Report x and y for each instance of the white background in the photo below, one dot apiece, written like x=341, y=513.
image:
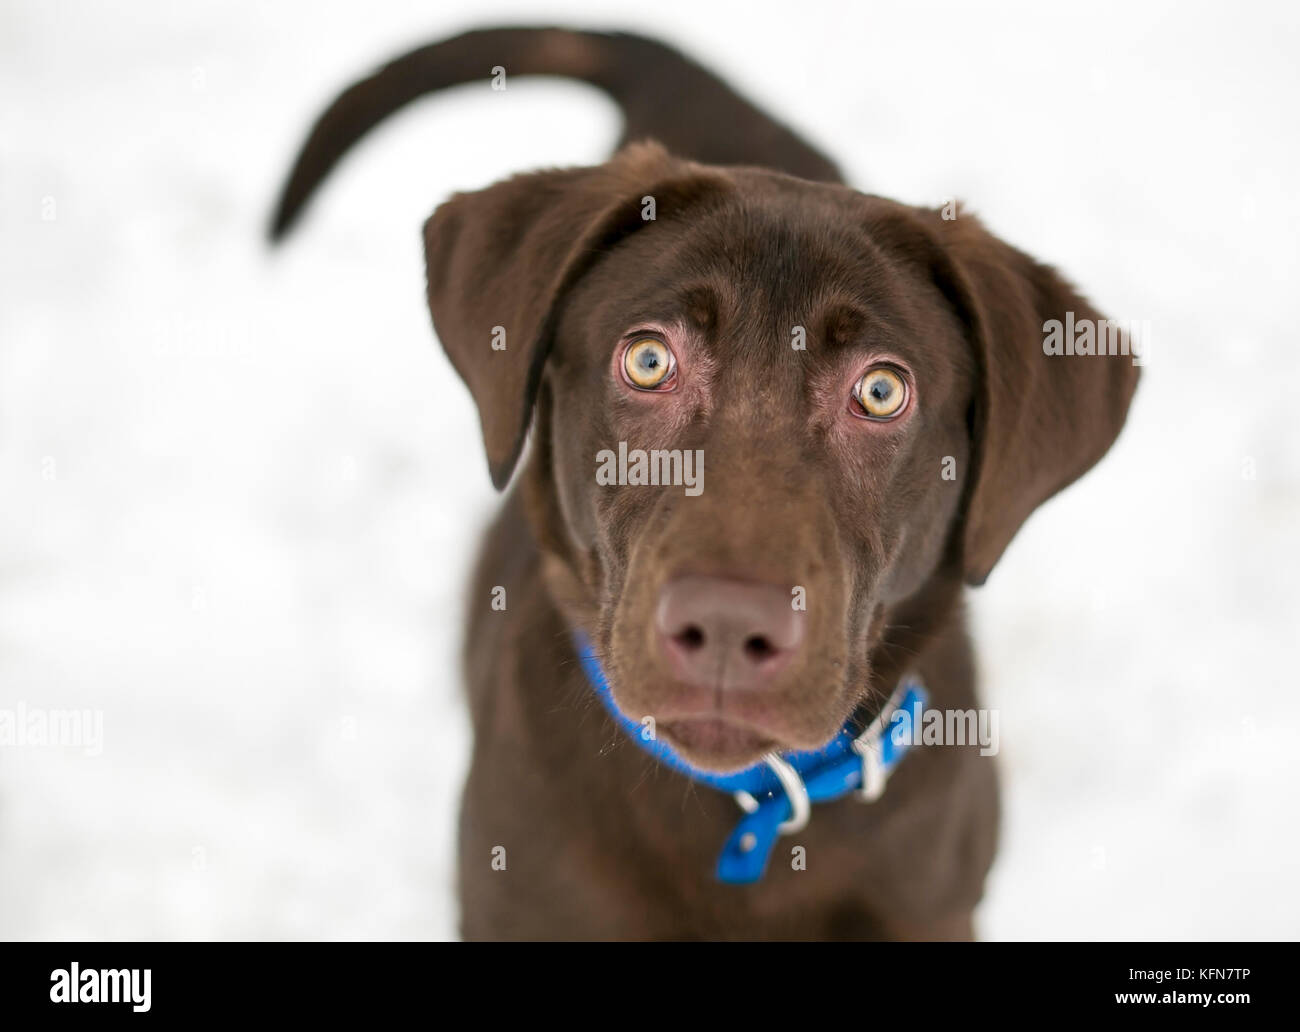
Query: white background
x=239, y=490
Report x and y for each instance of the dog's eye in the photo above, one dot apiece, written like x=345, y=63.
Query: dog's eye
x=881, y=393
x=648, y=364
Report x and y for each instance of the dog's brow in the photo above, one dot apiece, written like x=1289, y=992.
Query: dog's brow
x=844, y=323
x=700, y=304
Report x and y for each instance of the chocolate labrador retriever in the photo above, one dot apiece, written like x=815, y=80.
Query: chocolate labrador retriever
x=655, y=653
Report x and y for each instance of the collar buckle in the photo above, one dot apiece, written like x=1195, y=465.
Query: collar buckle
x=795, y=791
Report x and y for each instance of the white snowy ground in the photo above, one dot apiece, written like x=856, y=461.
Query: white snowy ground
x=239, y=491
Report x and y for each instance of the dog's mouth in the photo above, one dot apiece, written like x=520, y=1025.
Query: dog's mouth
x=727, y=732
x=717, y=744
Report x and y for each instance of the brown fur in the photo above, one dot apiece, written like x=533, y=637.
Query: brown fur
x=600, y=842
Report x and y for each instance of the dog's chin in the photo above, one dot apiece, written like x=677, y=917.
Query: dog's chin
x=716, y=744
x=725, y=735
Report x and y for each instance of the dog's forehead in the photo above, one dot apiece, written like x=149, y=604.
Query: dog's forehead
x=789, y=247
x=772, y=262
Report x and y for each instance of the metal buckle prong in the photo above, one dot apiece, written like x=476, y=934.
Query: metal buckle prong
x=795, y=791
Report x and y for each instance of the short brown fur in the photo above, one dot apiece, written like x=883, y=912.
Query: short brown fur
x=753, y=236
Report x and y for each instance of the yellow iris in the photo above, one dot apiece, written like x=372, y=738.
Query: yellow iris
x=881, y=393
x=647, y=362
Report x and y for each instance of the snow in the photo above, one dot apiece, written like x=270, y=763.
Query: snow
x=239, y=490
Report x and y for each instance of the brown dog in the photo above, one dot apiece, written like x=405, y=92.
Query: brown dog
x=868, y=386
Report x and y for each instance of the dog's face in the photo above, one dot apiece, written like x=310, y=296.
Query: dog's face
x=750, y=340
x=811, y=381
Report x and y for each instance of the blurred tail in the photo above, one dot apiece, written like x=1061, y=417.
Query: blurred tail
x=663, y=95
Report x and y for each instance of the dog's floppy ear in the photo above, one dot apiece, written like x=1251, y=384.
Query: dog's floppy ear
x=1042, y=419
x=499, y=260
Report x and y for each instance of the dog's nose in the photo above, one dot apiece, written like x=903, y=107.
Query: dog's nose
x=727, y=633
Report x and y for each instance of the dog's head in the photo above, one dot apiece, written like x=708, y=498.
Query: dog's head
x=770, y=415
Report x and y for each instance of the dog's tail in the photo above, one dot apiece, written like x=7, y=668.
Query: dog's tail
x=663, y=95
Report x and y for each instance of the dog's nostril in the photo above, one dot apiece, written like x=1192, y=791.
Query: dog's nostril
x=758, y=647
x=692, y=638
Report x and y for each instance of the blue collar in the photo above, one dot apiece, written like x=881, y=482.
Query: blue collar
x=777, y=794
